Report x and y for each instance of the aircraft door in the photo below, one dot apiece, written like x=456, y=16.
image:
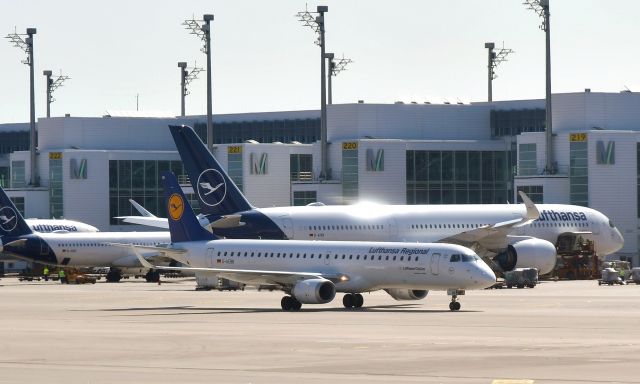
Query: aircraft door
x=393, y=230
x=595, y=227
x=287, y=226
x=211, y=257
x=44, y=248
x=435, y=263
x=326, y=258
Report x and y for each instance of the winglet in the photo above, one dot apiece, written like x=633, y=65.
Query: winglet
x=141, y=209
x=532, y=210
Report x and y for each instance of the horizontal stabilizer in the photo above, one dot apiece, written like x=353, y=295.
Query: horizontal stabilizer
x=229, y=221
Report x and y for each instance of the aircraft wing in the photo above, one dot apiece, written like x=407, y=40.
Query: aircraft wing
x=154, y=221
x=247, y=276
x=494, y=236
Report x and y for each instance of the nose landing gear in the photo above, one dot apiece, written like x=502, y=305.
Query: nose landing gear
x=455, y=305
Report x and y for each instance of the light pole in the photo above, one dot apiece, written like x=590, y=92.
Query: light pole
x=335, y=67
x=329, y=57
x=48, y=73
x=541, y=7
x=52, y=85
x=27, y=46
x=495, y=58
x=187, y=75
x=317, y=24
x=204, y=32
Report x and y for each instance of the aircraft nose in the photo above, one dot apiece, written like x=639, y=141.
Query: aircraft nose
x=618, y=240
x=484, y=276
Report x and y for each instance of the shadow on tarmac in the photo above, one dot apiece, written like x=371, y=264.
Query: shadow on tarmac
x=188, y=310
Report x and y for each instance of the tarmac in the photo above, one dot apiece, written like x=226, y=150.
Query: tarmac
x=136, y=332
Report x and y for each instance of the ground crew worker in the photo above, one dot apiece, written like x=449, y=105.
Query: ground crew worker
x=61, y=275
x=45, y=272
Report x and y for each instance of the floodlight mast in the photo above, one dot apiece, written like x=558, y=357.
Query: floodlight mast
x=335, y=67
x=317, y=24
x=202, y=29
x=26, y=45
x=495, y=58
x=52, y=85
x=187, y=75
x=541, y=7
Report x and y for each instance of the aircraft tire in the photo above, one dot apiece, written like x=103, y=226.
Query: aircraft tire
x=348, y=300
x=286, y=303
x=358, y=300
x=296, y=305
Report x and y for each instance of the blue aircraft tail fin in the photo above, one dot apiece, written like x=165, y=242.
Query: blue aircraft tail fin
x=183, y=223
x=12, y=223
x=216, y=192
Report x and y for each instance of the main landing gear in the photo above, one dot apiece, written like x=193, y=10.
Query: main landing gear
x=114, y=275
x=152, y=276
x=289, y=303
x=352, y=300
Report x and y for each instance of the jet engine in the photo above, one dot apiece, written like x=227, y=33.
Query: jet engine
x=527, y=252
x=314, y=291
x=407, y=294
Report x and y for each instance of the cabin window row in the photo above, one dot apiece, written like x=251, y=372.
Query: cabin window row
x=318, y=256
x=436, y=226
x=345, y=227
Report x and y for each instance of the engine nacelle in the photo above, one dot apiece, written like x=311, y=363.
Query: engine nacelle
x=314, y=291
x=407, y=294
x=528, y=252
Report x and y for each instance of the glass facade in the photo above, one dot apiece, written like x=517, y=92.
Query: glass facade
x=139, y=180
x=578, y=173
x=267, y=131
x=458, y=177
x=4, y=177
x=234, y=168
x=513, y=122
x=535, y=193
x=56, y=206
x=638, y=176
x=19, y=203
x=350, y=172
x=14, y=141
x=17, y=174
x=304, y=197
x=527, y=162
x=301, y=167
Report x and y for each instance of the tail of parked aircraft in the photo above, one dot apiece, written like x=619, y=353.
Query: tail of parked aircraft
x=216, y=192
x=183, y=223
x=12, y=223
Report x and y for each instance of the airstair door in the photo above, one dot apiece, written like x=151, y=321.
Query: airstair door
x=435, y=264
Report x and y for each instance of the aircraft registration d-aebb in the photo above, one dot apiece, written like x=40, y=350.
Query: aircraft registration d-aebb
x=507, y=236
x=311, y=272
x=74, y=249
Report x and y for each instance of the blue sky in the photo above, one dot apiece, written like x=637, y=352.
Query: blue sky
x=265, y=60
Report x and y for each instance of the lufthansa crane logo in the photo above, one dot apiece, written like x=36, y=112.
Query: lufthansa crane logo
x=176, y=207
x=8, y=219
x=212, y=188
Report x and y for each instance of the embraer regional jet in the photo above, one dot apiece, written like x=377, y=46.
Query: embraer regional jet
x=74, y=249
x=505, y=235
x=311, y=272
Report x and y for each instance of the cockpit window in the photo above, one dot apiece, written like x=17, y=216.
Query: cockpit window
x=455, y=258
x=469, y=258
x=611, y=224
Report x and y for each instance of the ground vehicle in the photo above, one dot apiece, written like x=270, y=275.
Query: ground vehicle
x=610, y=277
x=576, y=258
x=76, y=277
x=521, y=277
x=635, y=275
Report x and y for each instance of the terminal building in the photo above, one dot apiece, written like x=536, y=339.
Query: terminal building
x=89, y=167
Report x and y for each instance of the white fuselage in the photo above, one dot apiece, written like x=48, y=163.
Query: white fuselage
x=96, y=249
x=59, y=226
x=367, y=266
x=430, y=223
